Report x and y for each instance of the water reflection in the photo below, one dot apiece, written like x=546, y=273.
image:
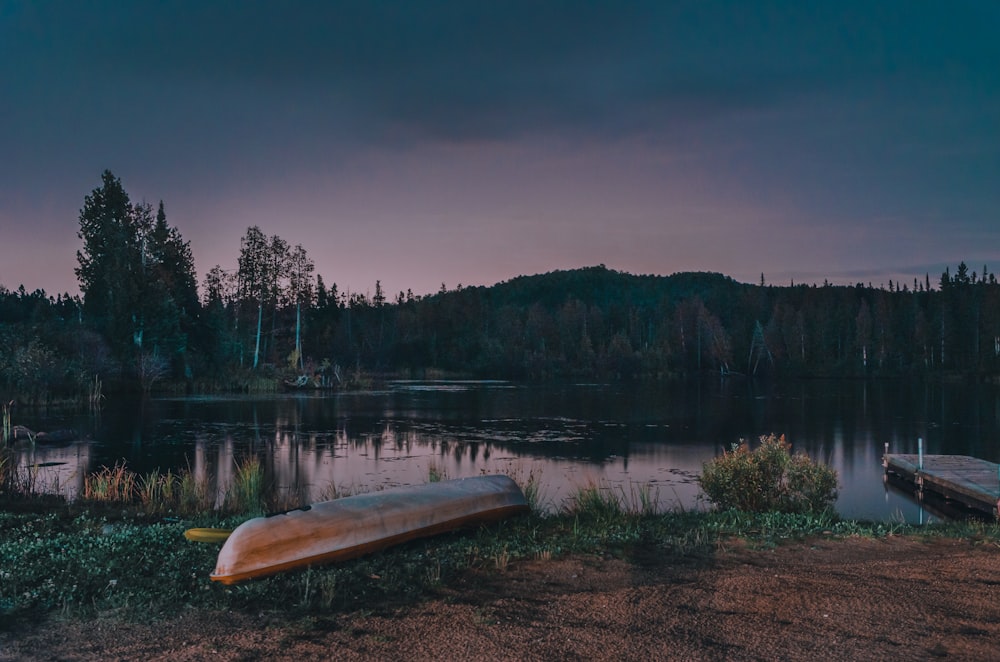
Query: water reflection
x=52, y=469
x=567, y=436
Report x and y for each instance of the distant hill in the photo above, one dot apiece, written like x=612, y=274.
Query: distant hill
x=594, y=323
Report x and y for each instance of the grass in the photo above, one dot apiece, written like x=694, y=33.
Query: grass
x=123, y=549
x=95, y=396
x=179, y=494
x=435, y=474
x=79, y=563
x=111, y=485
x=6, y=470
x=10, y=480
x=247, y=492
x=5, y=427
x=530, y=485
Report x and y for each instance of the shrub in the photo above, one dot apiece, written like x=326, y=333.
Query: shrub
x=769, y=478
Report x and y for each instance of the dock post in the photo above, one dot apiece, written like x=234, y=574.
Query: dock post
x=919, y=477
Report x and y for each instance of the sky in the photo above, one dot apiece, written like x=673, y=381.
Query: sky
x=421, y=143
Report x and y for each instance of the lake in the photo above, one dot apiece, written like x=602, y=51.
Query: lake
x=567, y=436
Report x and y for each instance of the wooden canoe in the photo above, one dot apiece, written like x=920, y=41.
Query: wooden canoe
x=352, y=526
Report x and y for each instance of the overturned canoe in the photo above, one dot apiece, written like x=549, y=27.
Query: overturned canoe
x=350, y=527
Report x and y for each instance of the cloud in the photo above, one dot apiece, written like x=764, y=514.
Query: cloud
x=453, y=70
x=440, y=69
x=814, y=113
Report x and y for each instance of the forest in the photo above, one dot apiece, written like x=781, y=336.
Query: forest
x=142, y=322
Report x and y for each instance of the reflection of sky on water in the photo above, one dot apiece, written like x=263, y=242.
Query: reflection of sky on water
x=566, y=437
x=53, y=469
x=321, y=464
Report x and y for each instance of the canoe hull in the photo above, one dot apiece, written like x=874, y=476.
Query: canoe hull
x=353, y=526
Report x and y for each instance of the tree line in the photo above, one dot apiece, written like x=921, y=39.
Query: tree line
x=142, y=320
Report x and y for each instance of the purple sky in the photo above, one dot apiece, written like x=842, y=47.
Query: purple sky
x=421, y=143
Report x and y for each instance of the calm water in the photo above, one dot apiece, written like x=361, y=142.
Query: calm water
x=567, y=436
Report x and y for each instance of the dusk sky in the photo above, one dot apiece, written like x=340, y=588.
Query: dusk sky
x=421, y=143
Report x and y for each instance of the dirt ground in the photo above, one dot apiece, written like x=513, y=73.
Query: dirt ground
x=855, y=599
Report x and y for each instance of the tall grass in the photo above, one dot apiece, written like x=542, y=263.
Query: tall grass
x=6, y=431
x=246, y=494
x=6, y=460
x=595, y=501
x=641, y=498
x=193, y=495
x=6, y=470
x=111, y=485
x=155, y=493
x=600, y=500
x=435, y=474
x=530, y=485
x=96, y=397
x=17, y=482
x=532, y=491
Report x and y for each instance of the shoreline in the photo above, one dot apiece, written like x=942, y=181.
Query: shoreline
x=896, y=597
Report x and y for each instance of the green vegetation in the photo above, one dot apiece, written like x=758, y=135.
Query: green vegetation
x=122, y=545
x=247, y=493
x=436, y=474
x=154, y=493
x=604, y=502
x=82, y=559
x=6, y=470
x=5, y=430
x=138, y=281
x=181, y=493
x=769, y=479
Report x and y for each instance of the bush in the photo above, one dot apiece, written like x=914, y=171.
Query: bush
x=767, y=479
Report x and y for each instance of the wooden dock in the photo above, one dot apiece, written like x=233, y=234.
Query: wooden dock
x=973, y=482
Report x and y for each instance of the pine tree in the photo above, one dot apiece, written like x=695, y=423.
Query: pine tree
x=137, y=277
x=173, y=284
x=106, y=269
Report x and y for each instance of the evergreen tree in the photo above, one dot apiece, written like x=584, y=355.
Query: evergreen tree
x=321, y=293
x=172, y=288
x=137, y=277
x=962, y=275
x=107, y=269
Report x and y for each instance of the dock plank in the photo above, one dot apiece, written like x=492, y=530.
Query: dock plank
x=973, y=481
